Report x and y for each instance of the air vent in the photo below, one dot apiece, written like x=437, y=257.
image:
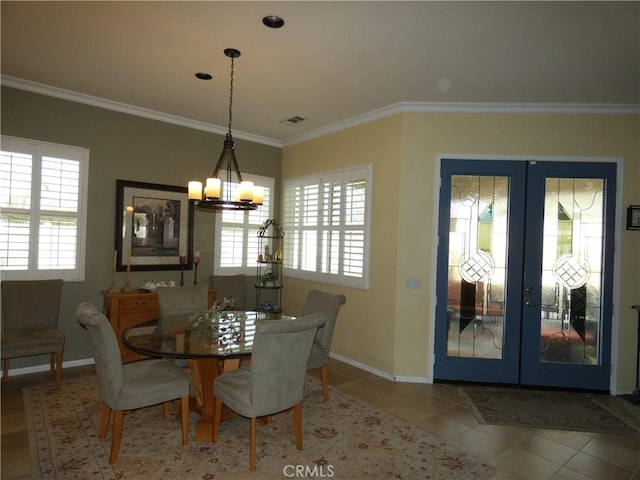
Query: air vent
x=293, y=120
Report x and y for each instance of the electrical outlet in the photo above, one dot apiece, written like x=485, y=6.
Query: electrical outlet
x=412, y=283
x=347, y=335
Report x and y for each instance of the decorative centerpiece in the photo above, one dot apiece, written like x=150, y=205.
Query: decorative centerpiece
x=226, y=327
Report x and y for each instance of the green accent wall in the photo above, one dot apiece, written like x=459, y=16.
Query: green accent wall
x=128, y=147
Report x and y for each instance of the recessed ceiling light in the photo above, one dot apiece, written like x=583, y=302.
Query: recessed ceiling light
x=204, y=76
x=273, y=21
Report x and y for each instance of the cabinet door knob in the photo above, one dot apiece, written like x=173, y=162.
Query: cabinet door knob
x=141, y=303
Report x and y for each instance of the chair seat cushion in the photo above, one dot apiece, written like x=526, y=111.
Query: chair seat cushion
x=234, y=389
x=23, y=343
x=149, y=382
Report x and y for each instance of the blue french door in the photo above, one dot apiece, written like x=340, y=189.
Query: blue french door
x=524, y=279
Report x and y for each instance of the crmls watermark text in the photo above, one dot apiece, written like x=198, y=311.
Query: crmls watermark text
x=304, y=471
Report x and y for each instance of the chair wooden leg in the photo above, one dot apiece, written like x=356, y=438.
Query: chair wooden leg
x=104, y=423
x=297, y=424
x=58, y=369
x=165, y=410
x=252, y=445
x=324, y=375
x=116, y=436
x=5, y=370
x=217, y=413
x=184, y=416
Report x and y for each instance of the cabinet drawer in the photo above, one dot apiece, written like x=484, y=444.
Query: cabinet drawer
x=139, y=304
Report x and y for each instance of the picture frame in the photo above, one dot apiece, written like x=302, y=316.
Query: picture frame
x=153, y=226
x=633, y=217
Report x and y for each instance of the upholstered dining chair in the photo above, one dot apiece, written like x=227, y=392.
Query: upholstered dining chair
x=275, y=380
x=329, y=304
x=177, y=302
x=226, y=286
x=133, y=385
x=30, y=313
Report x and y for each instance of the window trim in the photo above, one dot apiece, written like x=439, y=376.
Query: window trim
x=249, y=269
x=37, y=149
x=344, y=174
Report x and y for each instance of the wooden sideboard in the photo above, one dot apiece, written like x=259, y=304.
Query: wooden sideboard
x=127, y=309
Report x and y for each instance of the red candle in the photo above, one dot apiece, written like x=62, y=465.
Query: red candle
x=183, y=257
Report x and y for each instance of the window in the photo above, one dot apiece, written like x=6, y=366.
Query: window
x=326, y=225
x=236, y=250
x=42, y=210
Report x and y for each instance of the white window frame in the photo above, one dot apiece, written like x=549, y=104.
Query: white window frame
x=37, y=150
x=249, y=222
x=294, y=198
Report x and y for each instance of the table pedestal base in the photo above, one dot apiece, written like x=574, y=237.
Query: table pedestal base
x=204, y=371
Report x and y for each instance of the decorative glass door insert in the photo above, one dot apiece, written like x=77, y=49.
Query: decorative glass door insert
x=477, y=265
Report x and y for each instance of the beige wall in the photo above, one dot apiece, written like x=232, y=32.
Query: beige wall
x=368, y=314
x=404, y=150
x=130, y=148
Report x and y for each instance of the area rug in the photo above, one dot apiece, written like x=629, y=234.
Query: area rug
x=544, y=409
x=344, y=438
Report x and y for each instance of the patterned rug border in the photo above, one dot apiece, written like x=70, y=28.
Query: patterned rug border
x=453, y=462
x=620, y=425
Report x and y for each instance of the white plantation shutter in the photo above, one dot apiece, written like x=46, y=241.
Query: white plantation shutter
x=326, y=223
x=42, y=219
x=236, y=250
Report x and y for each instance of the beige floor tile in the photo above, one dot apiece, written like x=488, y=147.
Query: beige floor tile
x=596, y=468
x=568, y=474
x=13, y=423
x=526, y=464
x=486, y=446
x=442, y=427
x=16, y=465
x=612, y=449
x=549, y=449
x=575, y=440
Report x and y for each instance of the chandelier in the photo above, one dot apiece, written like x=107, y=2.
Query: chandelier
x=218, y=192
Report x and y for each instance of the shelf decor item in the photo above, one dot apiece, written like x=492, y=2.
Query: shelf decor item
x=269, y=267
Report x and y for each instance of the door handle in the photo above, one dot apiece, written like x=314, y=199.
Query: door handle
x=529, y=290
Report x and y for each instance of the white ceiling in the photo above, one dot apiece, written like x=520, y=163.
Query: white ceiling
x=331, y=62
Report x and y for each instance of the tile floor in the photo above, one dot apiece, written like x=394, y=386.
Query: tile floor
x=515, y=453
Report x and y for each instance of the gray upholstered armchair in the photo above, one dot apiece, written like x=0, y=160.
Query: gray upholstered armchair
x=329, y=304
x=30, y=312
x=275, y=380
x=133, y=385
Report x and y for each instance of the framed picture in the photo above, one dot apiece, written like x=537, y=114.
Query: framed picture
x=154, y=227
x=633, y=217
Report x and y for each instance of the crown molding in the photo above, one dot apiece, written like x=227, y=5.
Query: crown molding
x=394, y=109
x=99, y=102
x=466, y=107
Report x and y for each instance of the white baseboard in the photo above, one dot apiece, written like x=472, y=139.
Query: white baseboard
x=14, y=372
x=378, y=372
x=90, y=361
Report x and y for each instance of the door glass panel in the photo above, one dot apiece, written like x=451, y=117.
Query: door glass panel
x=477, y=265
x=571, y=270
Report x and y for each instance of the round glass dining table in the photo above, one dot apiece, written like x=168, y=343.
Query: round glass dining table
x=212, y=342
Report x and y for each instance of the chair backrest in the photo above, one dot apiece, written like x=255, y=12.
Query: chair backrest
x=230, y=286
x=105, y=350
x=279, y=357
x=178, y=302
x=329, y=304
x=30, y=304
